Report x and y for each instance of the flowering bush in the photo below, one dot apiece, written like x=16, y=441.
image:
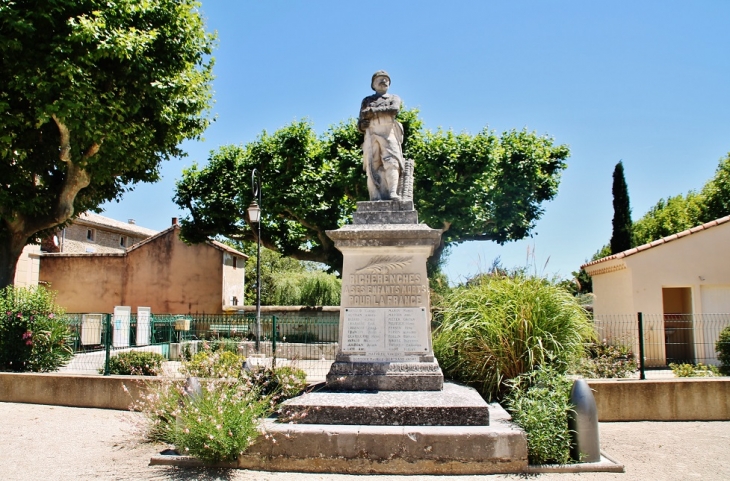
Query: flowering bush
x=138, y=363
x=34, y=335
x=220, y=422
x=214, y=364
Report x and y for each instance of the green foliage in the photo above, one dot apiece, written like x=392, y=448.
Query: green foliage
x=34, y=335
x=604, y=360
x=539, y=402
x=286, y=281
x=716, y=192
x=500, y=327
x=668, y=217
x=278, y=384
x=221, y=423
x=722, y=346
x=214, y=364
x=94, y=96
x=682, y=212
x=138, y=363
x=310, y=184
x=621, y=237
x=694, y=370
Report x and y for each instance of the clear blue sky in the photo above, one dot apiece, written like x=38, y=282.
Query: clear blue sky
x=644, y=82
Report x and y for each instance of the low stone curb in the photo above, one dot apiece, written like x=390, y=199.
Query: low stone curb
x=605, y=465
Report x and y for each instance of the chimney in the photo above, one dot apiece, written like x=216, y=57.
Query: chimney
x=131, y=221
x=174, y=221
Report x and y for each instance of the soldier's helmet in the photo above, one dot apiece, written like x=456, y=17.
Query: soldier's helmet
x=379, y=73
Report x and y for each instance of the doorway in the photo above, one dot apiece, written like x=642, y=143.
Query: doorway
x=678, y=324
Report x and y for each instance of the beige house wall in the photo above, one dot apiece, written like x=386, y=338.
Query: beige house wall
x=162, y=273
x=699, y=261
x=85, y=283
x=26, y=271
x=233, y=279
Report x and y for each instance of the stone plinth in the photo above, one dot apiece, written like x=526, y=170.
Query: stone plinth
x=500, y=447
x=385, y=212
x=455, y=405
x=385, y=315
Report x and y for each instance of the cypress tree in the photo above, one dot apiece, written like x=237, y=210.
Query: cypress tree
x=621, y=236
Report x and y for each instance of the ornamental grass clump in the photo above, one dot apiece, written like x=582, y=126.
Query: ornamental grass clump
x=501, y=326
x=34, y=334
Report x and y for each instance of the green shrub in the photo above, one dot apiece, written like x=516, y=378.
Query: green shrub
x=692, y=370
x=303, y=337
x=722, y=346
x=279, y=384
x=500, y=327
x=214, y=364
x=224, y=344
x=221, y=423
x=604, y=360
x=539, y=402
x=138, y=363
x=34, y=334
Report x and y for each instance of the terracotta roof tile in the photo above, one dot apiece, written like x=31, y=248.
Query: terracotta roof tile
x=663, y=240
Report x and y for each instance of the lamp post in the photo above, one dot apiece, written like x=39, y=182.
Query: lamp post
x=254, y=217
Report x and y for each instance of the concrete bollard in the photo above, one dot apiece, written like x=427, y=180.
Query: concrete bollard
x=583, y=424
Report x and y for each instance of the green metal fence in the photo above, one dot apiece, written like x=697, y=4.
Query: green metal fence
x=307, y=343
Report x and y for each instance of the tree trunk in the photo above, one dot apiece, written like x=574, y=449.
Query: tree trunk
x=10, y=250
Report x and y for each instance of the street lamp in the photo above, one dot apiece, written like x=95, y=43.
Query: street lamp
x=254, y=217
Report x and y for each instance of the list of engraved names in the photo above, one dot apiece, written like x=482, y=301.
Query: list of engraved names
x=382, y=334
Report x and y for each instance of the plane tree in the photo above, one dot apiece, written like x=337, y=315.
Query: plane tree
x=473, y=187
x=94, y=96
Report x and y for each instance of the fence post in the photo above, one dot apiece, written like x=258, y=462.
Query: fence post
x=273, y=342
x=642, y=373
x=107, y=341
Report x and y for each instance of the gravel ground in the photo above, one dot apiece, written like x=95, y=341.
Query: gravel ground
x=62, y=443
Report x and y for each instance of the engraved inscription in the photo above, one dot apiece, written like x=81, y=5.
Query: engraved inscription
x=385, y=264
x=363, y=330
x=385, y=334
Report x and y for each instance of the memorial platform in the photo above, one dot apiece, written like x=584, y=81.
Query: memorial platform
x=455, y=405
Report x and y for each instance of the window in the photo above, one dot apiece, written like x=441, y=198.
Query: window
x=122, y=241
x=235, y=264
x=91, y=235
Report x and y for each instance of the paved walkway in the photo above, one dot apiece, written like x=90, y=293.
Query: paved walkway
x=62, y=443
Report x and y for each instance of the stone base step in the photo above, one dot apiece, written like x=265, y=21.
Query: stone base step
x=318, y=448
x=455, y=405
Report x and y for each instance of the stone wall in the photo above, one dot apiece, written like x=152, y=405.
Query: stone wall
x=105, y=241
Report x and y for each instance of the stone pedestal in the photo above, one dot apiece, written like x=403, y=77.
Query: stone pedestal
x=385, y=316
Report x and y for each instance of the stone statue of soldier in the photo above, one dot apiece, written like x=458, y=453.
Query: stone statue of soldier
x=382, y=153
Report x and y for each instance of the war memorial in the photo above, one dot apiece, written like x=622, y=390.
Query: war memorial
x=385, y=407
